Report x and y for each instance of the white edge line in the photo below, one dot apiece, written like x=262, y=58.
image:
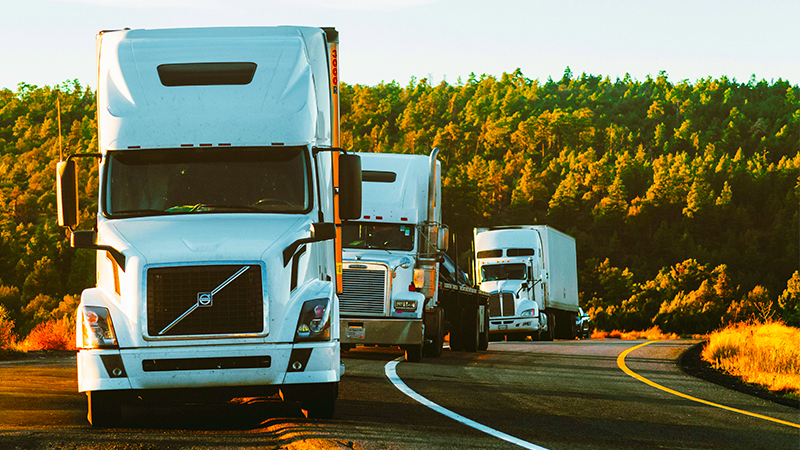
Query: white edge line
x=391, y=373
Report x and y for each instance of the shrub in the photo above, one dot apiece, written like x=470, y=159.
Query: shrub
x=8, y=339
x=57, y=334
x=652, y=333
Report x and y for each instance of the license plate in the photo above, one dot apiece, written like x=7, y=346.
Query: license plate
x=355, y=332
x=502, y=327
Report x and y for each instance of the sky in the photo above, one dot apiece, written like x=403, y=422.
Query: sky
x=49, y=42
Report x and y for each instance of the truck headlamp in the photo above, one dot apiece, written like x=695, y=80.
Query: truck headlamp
x=405, y=305
x=314, y=321
x=97, y=330
x=527, y=313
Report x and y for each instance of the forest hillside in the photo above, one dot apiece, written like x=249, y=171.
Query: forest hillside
x=683, y=197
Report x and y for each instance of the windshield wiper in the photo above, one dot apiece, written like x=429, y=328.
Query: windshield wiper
x=139, y=212
x=201, y=207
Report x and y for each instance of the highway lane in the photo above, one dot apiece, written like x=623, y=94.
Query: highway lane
x=556, y=395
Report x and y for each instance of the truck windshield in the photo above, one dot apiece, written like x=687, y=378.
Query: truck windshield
x=378, y=236
x=197, y=180
x=494, y=272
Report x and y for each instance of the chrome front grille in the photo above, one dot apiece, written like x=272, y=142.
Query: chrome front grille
x=234, y=308
x=364, y=292
x=501, y=307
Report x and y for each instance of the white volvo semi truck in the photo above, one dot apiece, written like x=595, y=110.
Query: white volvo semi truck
x=400, y=288
x=530, y=272
x=220, y=196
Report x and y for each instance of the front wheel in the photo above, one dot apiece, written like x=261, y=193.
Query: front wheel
x=322, y=402
x=414, y=353
x=550, y=332
x=105, y=408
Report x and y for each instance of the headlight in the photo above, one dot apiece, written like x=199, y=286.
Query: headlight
x=97, y=329
x=314, y=321
x=527, y=313
x=405, y=305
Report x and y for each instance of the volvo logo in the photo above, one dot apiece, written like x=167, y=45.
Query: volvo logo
x=205, y=299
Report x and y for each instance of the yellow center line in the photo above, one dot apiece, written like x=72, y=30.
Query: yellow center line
x=621, y=364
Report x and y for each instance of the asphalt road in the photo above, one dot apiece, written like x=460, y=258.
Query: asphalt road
x=551, y=395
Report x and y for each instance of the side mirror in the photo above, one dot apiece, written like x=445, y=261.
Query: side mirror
x=349, y=186
x=67, y=193
x=444, y=238
x=323, y=231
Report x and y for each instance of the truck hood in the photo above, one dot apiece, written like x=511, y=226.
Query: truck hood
x=207, y=237
x=392, y=259
x=501, y=286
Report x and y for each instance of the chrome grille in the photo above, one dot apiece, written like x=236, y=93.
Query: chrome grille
x=501, y=307
x=364, y=292
x=236, y=308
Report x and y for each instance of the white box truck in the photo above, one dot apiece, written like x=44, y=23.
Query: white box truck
x=530, y=272
x=400, y=288
x=219, y=204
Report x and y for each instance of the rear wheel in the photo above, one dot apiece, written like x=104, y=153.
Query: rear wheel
x=414, y=353
x=471, y=323
x=483, y=340
x=105, y=408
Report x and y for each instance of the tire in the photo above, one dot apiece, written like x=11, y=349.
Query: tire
x=414, y=353
x=434, y=349
x=550, y=333
x=456, y=332
x=321, y=404
x=483, y=340
x=105, y=408
x=471, y=323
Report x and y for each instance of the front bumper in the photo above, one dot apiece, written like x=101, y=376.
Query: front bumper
x=502, y=325
x=204, y=367
x=381, y=331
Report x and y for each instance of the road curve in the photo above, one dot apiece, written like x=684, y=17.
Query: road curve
x=551, y=395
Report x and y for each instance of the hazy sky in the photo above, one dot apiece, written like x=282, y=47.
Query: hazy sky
x=47, y=42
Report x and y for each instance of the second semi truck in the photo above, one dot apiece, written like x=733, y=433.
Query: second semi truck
x=400, y=288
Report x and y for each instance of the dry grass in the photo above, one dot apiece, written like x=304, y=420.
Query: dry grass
x=767, y=354
x=653, y=333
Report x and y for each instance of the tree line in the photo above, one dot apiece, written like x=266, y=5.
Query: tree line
x=682, y=197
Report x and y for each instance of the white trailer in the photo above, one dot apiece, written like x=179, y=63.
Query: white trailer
x=218, y=211
x=396, y=291
x=530, y=272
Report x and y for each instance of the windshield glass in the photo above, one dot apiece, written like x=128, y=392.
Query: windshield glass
x=195, y=180
x=494, y=272
x=378, y=235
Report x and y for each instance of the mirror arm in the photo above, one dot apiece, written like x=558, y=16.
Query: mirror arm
x=325, y=233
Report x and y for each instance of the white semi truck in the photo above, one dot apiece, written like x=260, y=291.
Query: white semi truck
x=400, y=288
x=530, y=272
x=220, y=197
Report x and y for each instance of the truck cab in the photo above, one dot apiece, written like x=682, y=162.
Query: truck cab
x=216, y=222
x=513, y=277
x=389, y=266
